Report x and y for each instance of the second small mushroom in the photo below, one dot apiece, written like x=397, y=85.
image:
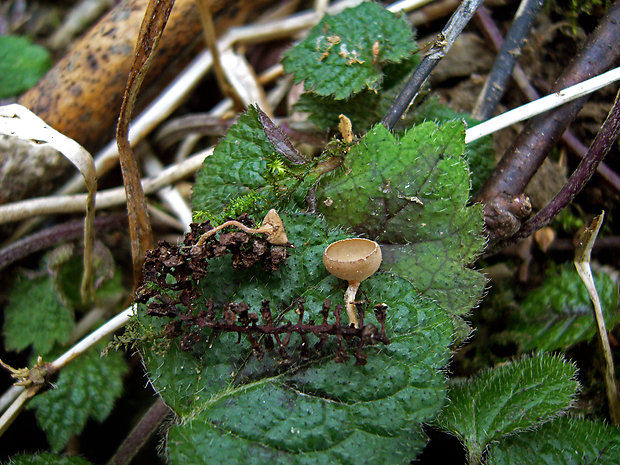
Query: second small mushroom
x=353, y=260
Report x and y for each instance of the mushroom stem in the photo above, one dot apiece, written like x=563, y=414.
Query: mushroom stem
x=349, y=298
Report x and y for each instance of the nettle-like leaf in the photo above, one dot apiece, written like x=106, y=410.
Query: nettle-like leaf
x=22, y=64
x=235, y=408
x=35, y=316
x=508, y=399
x=246, y=163
x=565, y=441
x=414, y=191
x=46, y=458
x=559, y=313
x=344, y=54
x=365, y=108
x=86, y=388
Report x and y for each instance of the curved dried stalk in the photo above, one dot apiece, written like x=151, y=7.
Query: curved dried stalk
x=18, y=121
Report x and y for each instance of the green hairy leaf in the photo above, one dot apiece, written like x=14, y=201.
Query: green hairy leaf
x=344, y=54
x=35, y=316
x=235, y=408
x=479, y=154
x=22, y=64
x=365, y=108
x=88, y=387
x=46, y=458
x=414, y=191
x=559, y=313
x=565, y=441
x=508, y=399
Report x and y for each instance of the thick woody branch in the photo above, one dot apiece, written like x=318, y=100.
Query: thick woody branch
x=522, y=160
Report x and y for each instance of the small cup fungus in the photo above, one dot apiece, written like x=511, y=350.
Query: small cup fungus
x=353, y=260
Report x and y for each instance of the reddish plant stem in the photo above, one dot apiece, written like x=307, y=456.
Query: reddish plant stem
x=138, y=436
x=522, y=160
x=600, y=147
x=492, y=33
x=55, y=235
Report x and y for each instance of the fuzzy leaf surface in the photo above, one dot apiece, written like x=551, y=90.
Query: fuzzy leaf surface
x=46, y=458
x=173, y=373
x=325, y=412
x=565, y=441
x=479, y=154
x=35, y=316
x=508, y=399
x=365, y=108
x=559, y=313
x=337, y=58
x=414, y=191
x=236, y=409
x=22, y=64
x=88, y=387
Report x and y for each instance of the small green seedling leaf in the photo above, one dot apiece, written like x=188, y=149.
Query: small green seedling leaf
x=414, y=190
x=559, y=313
x=88, y=387
x=507, y=400
x=35, y=316
x=46, y=458
x=345, y=54
x=565, y=441
x=22, y=64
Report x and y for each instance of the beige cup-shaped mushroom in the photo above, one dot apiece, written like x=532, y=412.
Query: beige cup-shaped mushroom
x=353, y=260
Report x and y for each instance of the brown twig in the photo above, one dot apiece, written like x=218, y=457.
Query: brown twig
x=601, y=145
x=495, y=85
x=151, y=29
x=492, y=33
x=55, y=235
x=522, y=160
x=140, y=433
x=438, y=50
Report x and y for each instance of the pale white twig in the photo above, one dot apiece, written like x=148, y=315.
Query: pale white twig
x=240, y=75
x=407, y=5
x=169, y=194
x=18, y=121
x=78, y=349
x=541, y=105
x=186, y=147
x=105, y=199
x=9, y=397
x=101, y=333
x=14, y=409
x=165, y=218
